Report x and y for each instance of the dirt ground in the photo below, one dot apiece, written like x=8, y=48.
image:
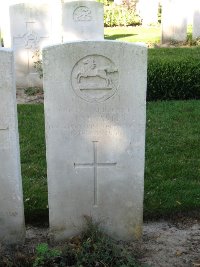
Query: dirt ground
x=23, y=98
x=164, y=243
x=167, y=244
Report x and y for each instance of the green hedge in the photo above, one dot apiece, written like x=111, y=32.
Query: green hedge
x=173, y=74
x=120, y=16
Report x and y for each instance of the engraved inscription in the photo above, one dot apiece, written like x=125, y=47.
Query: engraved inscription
x=95, y=78
x=95, y=164
x=9, y=213
x=82, y=13
x=4, y=137
x=5, y=76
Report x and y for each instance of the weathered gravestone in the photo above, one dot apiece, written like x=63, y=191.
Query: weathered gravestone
x=11, y=200
x=82, y=20
x=148, y=11
x=196, y=21
x=95, y=136
x=31, y=26
x=174, y=21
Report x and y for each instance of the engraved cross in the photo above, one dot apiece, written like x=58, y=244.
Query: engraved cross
x=30, y=40
x=3, y=128
x=95, y=164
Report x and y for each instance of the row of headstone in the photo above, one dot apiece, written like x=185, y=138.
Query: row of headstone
x=95, y=133
x=174, y=17
x=196, y=20
x=148, y=11
x=34, y=25
x=175, y=20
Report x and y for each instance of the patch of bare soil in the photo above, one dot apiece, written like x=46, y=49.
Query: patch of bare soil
x=164, y=243
x=170, y=244
x=24, y=97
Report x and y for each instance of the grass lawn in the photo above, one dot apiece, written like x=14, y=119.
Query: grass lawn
x=33, y=161
x=148, y=35
x=172, y=173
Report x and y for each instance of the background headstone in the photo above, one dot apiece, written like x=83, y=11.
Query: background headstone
x=174, y=21
x=82, y=20
x=12, y=228
x=31, y=29
x=118, y=2
x=5, y=17
x=0, y=38
x=95, y=136
x=196, y=20
x=148, y=11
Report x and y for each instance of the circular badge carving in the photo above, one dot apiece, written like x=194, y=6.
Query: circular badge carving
x=31, y=40
x=82, y=13
x=95, y=78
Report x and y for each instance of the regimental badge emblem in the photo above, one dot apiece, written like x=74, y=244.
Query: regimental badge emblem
x=31, y=40
x=82, y=13
x=95, y=78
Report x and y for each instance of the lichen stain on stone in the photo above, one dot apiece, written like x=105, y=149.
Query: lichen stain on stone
x=138, y=231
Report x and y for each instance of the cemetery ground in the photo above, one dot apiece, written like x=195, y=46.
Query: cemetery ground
x=171, y=204
x=171, y=200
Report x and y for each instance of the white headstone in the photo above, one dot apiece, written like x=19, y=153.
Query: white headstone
x=0, y=38
x=31, y=29
x=12, y=228
x=118, y=2
x=196, y=21
x=82, y=20
x=5, y=18
x=95, y=136
x=174, y=20
x=148, y=11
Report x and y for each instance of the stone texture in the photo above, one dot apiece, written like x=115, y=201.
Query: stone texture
x=31, y=29
x=174, y=25
x=196, y=21
x=82, y=20
x=11, y=200
x=95, y=135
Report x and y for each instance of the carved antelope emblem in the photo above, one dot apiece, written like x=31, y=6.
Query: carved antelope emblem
x=90, y=69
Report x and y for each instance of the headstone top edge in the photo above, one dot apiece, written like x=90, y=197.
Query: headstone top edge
x=29, y=4
x=80, y=3
x=6, y=50
x=136, y=45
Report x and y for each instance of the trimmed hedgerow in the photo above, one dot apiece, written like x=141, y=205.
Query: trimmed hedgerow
x=173, y=74
x=120, y=16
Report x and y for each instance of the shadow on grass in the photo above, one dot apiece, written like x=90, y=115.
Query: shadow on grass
x=37, y=218
x=117, y=36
